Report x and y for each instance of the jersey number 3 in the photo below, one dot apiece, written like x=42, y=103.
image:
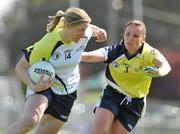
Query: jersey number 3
x=126, y=69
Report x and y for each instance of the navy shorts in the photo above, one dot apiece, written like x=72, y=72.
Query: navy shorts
x=127, y=112
x=59, y=106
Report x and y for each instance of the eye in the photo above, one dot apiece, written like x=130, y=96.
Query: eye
x=127, y=34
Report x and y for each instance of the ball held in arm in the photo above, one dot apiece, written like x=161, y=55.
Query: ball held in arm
x=41, y=68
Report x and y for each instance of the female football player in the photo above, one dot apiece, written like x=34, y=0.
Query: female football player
x=49, y=103
x=131, y=64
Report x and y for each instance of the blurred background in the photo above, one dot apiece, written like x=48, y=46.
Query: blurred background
x=23, y=22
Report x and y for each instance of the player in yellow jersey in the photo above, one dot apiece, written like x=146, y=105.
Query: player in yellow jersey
x=48, y=103
x=131, y=64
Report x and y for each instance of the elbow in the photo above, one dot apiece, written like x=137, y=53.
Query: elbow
x=83, y=59
x=17, y=68
x=169, y=69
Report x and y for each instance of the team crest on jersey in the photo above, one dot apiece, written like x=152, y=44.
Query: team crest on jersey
x=115, y=64
x=56, y=55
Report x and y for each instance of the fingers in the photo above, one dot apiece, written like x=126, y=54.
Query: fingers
x=45, y=80
x=151, y=68
x=101, y=36
x=151, y=71
x=43, y=84
x=50, y=80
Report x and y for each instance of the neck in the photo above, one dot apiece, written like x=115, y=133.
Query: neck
x=131, y=53
x=64, y=35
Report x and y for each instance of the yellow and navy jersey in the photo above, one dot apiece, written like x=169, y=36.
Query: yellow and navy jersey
x=63, y=56
x=125, y=73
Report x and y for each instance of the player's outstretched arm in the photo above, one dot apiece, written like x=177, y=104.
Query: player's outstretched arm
x=93, y=56
x=160, y=69
x=162, y=64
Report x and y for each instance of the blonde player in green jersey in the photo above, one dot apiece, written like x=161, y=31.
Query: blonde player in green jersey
x=49, y=103
x=131, y=64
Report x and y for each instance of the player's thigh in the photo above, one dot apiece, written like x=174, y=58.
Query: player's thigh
x=103, y=120
x=49, y=125
x=35, y=105
x=117, y=128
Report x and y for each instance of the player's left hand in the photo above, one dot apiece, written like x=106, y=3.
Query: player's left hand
x=101, y=35
x=151, y=71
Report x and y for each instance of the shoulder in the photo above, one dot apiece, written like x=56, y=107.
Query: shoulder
x=48, y=43
x=119, y=48
x=115, y=51
x=149, y=53
x=148, y=49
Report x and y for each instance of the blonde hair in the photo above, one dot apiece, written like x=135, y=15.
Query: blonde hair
x=72, y=16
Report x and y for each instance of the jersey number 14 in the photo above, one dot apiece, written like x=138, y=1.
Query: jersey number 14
x=67, y=55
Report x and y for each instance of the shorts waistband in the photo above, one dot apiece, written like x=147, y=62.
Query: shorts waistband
x=117, y=88
x=120, y=93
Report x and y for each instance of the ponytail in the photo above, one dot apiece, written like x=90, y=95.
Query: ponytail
x=54, y=20
x=72, y=16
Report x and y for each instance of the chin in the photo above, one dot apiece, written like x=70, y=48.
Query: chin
x=77, y=40
x=127, y=47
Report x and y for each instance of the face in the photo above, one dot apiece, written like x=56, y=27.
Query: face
x=133, y=38
x=77, y=32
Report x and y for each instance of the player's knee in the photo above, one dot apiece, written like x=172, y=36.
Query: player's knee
x=31, y=121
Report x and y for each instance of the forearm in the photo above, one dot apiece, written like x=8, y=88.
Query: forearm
x=23, y=75
x=22, y=72
x=162, y=65
x=164, y=69
x=93, y=56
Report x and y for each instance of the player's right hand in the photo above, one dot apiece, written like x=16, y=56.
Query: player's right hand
x=151, y=71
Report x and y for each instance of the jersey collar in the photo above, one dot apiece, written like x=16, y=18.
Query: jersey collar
x=138, y=54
